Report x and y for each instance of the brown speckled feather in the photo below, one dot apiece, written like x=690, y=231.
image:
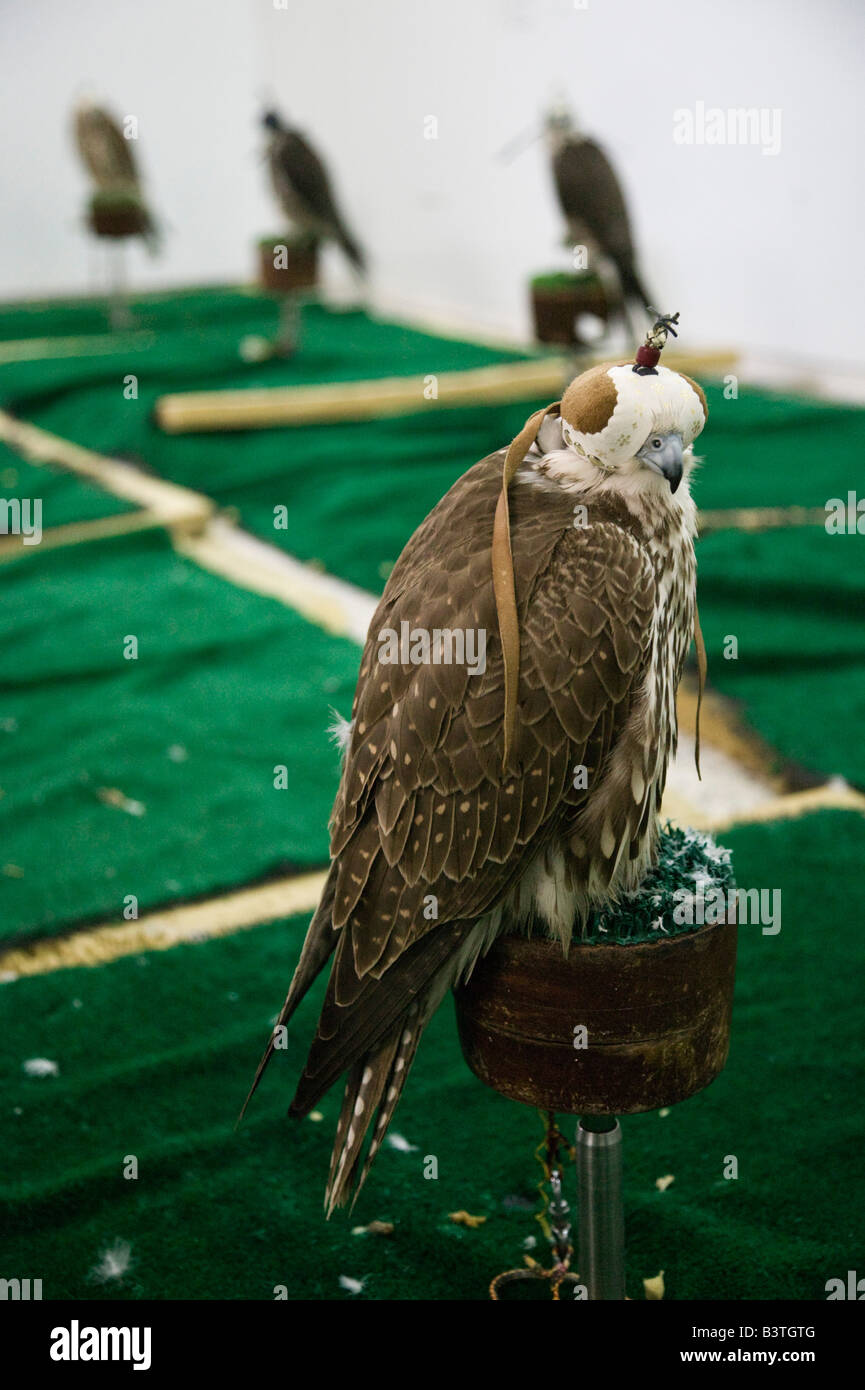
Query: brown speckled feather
x=428, y=834
x=590, y=196
x=109, y=157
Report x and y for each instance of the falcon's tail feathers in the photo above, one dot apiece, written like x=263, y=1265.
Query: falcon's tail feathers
x=317, y=950
x=632, y=285
x=352, y=1031
x=375, y=1081
x=351, y=248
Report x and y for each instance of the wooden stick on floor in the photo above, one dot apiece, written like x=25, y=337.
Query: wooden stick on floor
x=264, y=408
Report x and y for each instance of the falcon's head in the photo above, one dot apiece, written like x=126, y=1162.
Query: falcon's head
x=271, y=120
x=624, y=424
x=628, y=425
x=559, y=120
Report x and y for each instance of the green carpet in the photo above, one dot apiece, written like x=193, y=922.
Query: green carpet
x=226, y=687
x=157, y=311
x=795, y=602
x=64, y=497
x=382, y=475
x=354, y=492
x=155, y=1054
x=761, y=449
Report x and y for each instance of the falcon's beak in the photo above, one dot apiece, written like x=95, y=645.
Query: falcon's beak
x=663, y=453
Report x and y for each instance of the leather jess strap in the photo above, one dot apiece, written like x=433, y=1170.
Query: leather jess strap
x=503, y=573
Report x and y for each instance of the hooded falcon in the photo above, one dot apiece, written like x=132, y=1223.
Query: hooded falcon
x=593, y=204
x=519, y=792
x=303, y=189
x=109, y=159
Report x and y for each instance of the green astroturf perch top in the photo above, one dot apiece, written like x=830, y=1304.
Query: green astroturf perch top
x=690, y=867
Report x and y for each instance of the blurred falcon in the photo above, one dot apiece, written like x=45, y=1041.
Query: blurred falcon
x=303, y=188
x=524, y=796
x=109, y=159
x=593, y=204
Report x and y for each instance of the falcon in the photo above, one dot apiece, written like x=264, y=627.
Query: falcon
x=517, y=797
x=108, y=157
x=303, y=188
x=593, y=204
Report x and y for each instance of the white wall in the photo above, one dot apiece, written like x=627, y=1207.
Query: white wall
x=759, y=252
x=756, y=251
x=186, y=69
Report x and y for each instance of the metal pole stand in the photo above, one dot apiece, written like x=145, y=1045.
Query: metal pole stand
x=601, y=1222
x=656, y=1015
x=288, y=332
x=119, y=313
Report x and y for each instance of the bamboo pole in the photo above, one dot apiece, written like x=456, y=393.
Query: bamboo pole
x=264, y=408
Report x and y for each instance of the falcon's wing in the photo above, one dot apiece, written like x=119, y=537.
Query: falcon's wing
x=107, y=155
x=428, y=832
x=298, y=162
x=589, y=189
x=295, y=162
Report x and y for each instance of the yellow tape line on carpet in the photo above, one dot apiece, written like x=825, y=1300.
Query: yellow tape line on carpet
x=87, y=345
x=159, y=931
x=333, y=604
x=210, y=540
x=80, y=532
x=832, y=796
x=759, y=518
x=176, y=506
x=254, y=907
x=724, y=729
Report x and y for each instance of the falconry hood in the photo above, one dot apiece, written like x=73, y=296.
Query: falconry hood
x=608, y=415
x=610, y=412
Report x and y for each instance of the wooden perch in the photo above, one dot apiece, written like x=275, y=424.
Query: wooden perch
x=264, y=408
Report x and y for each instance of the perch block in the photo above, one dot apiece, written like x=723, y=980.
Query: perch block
x=557, y=300
x=117, y=216
x=656, y=1014
x=287, y=266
